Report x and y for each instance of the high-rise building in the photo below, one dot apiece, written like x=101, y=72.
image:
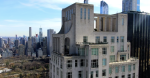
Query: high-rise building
x=130, y=5
x=40, y=35
x=16, y=37
x=85, y=1
x=9, y=41
x=1, y=42
x=138, y=35
x=30, y=32
x=16, y=43
x=49, y=40
x=104, y=7
x=80, y=51
x=29, y=49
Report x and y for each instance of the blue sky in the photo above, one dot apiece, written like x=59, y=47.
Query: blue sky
x=16, y=16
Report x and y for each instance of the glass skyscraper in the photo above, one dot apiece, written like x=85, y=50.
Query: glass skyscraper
x=103, y=7
x=138, y=35
x=130, y=5
x=85, y=1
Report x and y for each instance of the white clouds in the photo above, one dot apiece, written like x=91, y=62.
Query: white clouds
x=54, y=23
x=11, y=20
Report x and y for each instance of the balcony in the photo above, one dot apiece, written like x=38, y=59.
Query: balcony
x=91, y=43
x=122, y=51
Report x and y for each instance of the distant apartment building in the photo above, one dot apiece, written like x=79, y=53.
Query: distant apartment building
x=21, y=50
x=7, y=53
x=104, y=7
x=130, y=5
x=82, y=51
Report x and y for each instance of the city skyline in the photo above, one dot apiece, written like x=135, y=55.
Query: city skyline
x=17, y=16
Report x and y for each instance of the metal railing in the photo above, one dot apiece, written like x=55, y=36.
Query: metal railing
x=122, y=50
x=91, y=43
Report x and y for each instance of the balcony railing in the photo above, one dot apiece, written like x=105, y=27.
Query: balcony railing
x=91, y=43
x=122, y=50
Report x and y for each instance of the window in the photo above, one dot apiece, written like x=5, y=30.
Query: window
x=72, y=11
x=82, y=62
x=91, y=74
x=81, y=14
x=129, y=76
x=61, y=64
x=117, y=69
x=105, y=39
x=69, y=75
x=123, y=76
x=53, y=68
x=112, y=39
x=70, y=14
x=88, y=13
x=112, y=48
x=94, y=63
x=133, y=66
x=86, y=63
x=57, y=71
x=97, y=73
x=61, y=74
x=85, y=13
x=116, y=77
x=85, y=39
x=81, y=51
x=58, y=61
x=117, y=39
x=122, y=48
x=122, y=21
x=97, y=40
x=123, y=68
x=104, y=62
x=122, y=39
x=110, y=70
x=104, y=50
x=66, y=15
x=94, y=51
x=122, y=57
x=69, y=63
x=80, y=74
x=133, y=76
x=76, y=63
x=104, y=72
x=129, y=68
x=86, y=74
x=112, y=58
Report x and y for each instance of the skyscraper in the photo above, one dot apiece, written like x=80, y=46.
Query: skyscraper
x=30, y=32
x=85, y=1
x=1, y=42
x=49, y=40
x=103, y=7
x=138, y=35
x=40, y=35
x=130, y=5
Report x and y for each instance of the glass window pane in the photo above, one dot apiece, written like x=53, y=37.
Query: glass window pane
x=112, y=39
x=81, y=14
